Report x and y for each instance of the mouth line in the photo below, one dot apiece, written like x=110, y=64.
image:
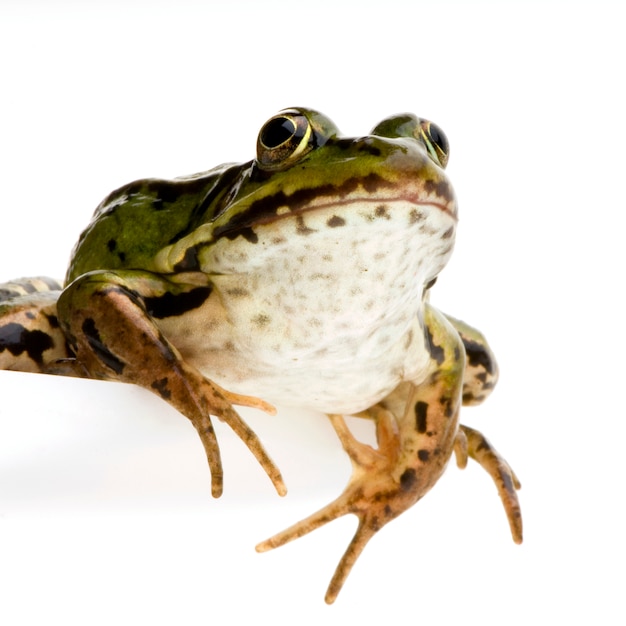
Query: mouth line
x=382, y=201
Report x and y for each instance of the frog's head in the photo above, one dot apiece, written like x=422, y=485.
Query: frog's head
x=311, y=189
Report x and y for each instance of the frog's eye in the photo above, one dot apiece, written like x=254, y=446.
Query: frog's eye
x=435, y=141
x=284, y=139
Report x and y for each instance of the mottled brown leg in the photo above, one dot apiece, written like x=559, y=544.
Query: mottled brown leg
x=414, y=446
x=114, y=338
x=474, y=444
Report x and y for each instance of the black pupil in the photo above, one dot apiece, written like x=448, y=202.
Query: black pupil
x=437, y=138
x=277, y=131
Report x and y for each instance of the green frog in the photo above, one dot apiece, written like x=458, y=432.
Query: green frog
x=301, y=277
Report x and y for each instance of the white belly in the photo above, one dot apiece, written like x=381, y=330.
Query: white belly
x=327, y=321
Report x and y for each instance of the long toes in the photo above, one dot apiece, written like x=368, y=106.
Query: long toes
x=253, y=443
x=363, y=534
x=303, y=527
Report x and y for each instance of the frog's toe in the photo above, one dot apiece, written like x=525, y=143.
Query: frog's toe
x=249, y=401
x=480, y=449
x=253, y=443
x=205, y=430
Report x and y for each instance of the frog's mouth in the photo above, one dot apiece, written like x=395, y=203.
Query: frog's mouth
x=374, y=193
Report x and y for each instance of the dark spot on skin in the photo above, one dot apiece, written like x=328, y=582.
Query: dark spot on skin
x=174, y=304
x=408, y=479
x=415, y=216
x=483, y=445
x=28, y=287
x=436, y=352
x=508, y=483
x=423, y=455
x=238, y=292
x=364, y=145
x=160, y=386
x=111, y=245
x=440, y=188
x=99, y=349
x=381, y=211
x=248, y=234
x=302, y=228
x=17, y=339
x=52, y=284
x=457, y=353
x=335, y=221
x=53, y=320
x=421, y=410
x=121, y=256
x=477, y=355
x=388, y=510
x=261, y=320
x=373, y=150
x=430, y=283
x=448, y=233
x=482, y=377
x=189, y=262
x=468, y=397
x=30, y=315
x=361, y=145
x=167, y=191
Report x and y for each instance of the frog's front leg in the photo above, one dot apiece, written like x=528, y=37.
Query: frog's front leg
x=105, y=318
x=413, y=451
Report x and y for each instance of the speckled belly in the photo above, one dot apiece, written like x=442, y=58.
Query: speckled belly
x=328, y=320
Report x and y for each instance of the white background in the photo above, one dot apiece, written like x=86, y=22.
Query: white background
x=105, y=513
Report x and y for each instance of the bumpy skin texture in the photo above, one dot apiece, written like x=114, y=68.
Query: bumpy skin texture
x=302, y=277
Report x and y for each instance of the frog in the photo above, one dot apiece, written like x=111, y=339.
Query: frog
x=301, y=277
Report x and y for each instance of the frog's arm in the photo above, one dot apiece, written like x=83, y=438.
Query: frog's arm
x=412, y=454
x=112, y=336
x=481, y=369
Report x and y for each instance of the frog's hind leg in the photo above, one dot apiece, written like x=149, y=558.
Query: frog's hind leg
x=114, y=337
x=30, y=337
x=473, y=444
x=416, y=427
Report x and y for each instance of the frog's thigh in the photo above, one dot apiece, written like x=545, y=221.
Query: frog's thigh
x=481, y=368
x=105, y=319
